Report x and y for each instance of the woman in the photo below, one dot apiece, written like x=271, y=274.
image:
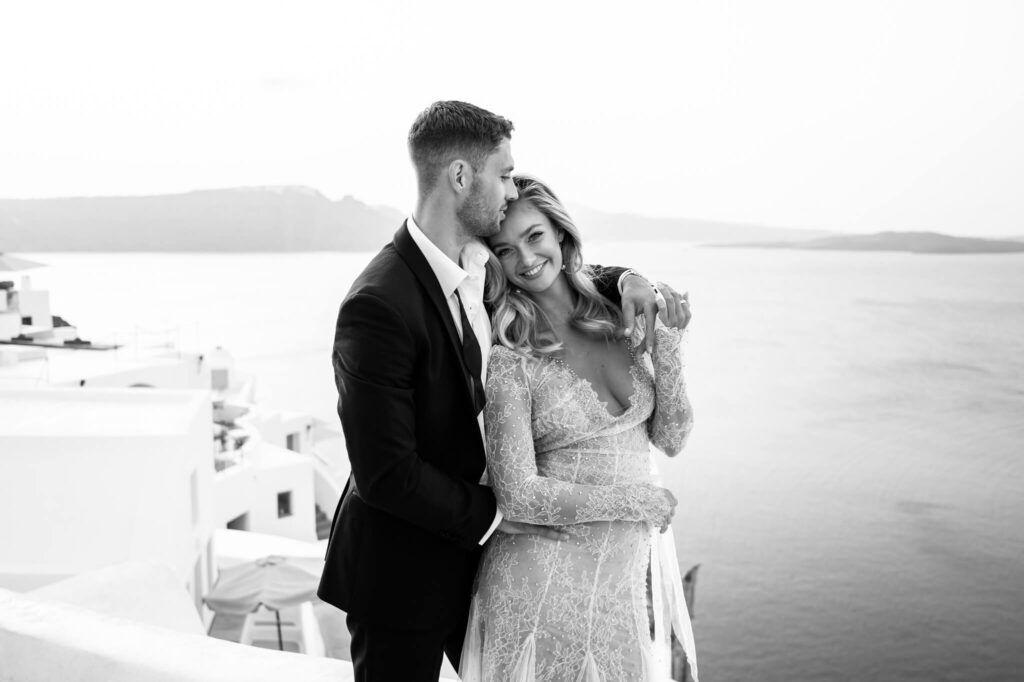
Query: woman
x=571, y=413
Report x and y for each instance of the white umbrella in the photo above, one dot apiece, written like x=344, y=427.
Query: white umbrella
x=275, y=582
x=9, y=263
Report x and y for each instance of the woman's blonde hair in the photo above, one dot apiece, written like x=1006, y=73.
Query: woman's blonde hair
x=518, y=322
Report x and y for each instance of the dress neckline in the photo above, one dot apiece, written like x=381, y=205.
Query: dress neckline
x=592, y=392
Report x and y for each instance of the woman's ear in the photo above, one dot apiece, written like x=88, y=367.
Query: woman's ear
x=561, y=235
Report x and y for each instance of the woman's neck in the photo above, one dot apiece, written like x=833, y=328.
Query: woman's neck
x=557, y=302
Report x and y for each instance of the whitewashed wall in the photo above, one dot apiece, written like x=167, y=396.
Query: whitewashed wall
x=103, y=476
x=46, y=641
x=252, y=486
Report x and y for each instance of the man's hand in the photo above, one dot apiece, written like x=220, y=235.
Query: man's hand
x=676, y=312
x=638, y=298
x=516, y=528
x=668, y=509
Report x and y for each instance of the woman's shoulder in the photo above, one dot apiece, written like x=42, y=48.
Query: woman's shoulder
x=507, y=356
x=505, y=359
x=507, y=368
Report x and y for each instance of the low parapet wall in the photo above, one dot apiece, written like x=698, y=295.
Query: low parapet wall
x=44, y=641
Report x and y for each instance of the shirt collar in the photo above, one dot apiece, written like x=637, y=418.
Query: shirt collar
x=449, y=275
x=474, y=260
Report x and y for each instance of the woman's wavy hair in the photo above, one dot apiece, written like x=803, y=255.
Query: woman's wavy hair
x=519, y=323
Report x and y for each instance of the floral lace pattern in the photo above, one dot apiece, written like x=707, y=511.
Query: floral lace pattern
x=573, y=610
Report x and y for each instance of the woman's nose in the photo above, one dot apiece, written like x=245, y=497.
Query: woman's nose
x=526, y=256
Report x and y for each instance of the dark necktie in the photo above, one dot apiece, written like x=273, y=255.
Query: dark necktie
x=471, y=354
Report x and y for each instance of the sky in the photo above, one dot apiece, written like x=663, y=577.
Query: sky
x=858, y=115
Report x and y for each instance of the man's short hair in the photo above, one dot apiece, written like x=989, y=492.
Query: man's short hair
x=451, y=130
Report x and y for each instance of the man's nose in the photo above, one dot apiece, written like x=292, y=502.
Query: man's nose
x=512, y=193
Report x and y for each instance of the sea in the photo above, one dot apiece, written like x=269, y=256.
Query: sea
x=853, y=490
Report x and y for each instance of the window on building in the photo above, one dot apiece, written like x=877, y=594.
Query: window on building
x=292, y=442
x=284, y=504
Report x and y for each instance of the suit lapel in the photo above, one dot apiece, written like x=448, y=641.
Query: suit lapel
x=417, y=262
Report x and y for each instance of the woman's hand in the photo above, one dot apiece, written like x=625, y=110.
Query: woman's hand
x=676, y=312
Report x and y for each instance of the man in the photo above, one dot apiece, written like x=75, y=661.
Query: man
x=410, y=352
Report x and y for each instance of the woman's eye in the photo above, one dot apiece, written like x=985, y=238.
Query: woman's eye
x=536, y=235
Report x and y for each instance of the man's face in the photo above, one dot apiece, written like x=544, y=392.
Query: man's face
x=483, y=210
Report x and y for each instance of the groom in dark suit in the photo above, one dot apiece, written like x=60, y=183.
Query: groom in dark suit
x=410, y=353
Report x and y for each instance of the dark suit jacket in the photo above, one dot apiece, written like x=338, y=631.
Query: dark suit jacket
x=403, y=548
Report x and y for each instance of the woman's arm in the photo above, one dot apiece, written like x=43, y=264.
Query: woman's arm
x=670, y=425
x=523, y=494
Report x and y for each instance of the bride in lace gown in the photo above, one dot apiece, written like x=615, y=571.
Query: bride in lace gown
x=571, y=414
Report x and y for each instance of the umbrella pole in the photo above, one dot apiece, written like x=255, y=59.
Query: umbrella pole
x=280, y=641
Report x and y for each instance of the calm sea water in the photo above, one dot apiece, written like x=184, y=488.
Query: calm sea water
x=853, y=489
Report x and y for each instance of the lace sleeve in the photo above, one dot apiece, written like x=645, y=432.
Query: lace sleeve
x=670, y=425
x=524, y=495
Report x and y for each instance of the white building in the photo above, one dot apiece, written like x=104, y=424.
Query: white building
x=278, y=473
x=128, y=455
x=103, y=476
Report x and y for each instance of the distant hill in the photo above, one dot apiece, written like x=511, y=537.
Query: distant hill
x=914, y=242
x=284, y=219
x=597, y=225
x=251, y=219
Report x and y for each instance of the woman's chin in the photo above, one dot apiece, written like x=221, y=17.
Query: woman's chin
x=536, y=286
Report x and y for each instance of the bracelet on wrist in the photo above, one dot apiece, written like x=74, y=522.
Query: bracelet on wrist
x=627, y=273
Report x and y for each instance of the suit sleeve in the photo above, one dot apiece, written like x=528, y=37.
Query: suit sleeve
x=606, y=280
x=374, y=362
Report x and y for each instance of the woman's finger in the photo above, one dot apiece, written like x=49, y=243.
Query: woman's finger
x=674, y=314
x=679, y=312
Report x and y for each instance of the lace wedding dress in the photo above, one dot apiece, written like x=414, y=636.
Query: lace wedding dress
x=577, y=610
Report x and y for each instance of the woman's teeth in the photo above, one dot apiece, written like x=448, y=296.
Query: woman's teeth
x=532, y=272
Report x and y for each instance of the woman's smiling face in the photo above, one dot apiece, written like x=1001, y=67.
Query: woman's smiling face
x=528, y=247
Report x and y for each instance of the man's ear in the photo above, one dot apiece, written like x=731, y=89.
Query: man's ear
x=460, y=175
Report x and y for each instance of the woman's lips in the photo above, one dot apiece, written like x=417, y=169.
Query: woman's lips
x=534, y=271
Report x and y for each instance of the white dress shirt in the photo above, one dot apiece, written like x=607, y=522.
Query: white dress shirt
x=468, y=280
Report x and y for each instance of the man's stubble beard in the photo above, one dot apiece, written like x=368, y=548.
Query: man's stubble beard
x=474, y=218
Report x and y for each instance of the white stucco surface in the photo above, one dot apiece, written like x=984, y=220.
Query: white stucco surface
x=44, y=641
x=142, y=591
x=110, y=368
x=231, y=547
x=69, y=412
x=98, y=477
x=252, y=487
